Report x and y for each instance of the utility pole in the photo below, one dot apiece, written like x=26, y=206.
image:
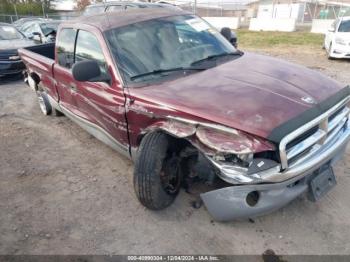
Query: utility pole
x=14, y=5
x=42, y=7
x=195, y=7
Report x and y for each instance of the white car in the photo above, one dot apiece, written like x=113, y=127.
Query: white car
x=337, y=39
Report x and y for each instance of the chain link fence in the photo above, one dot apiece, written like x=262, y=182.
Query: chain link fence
x=12, y=18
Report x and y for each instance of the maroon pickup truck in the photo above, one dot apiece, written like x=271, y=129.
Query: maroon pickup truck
x=169, y=91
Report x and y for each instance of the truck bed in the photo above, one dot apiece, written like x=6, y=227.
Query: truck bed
x=39, y=61
x=47, y=50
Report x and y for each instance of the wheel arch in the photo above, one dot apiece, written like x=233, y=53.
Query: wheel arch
x=36, y=79
x=174, y=130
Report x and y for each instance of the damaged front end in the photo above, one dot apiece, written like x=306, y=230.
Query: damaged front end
x=235, y=157
x=255, y=181
x=238, y=157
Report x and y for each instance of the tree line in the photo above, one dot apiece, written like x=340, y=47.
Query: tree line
x=25, y=7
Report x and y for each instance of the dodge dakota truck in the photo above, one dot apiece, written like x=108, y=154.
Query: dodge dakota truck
x=170, y=92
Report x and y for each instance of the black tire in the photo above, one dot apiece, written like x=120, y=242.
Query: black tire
x=56, y=112
x=44, y=102
x=329, y=52
x=155, y=155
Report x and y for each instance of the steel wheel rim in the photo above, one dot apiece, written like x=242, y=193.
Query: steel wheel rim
x=41, y=102
x=170, y=185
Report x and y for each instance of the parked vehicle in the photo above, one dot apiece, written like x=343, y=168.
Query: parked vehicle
x=41, y=31
x=118, y=6
x=165, y=89
x=337, y=39
x=229, y=35
x=10, y=40
x=20, y=22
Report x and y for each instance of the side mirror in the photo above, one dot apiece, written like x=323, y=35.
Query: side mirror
x=89, y=70
x=331, y=29
x=36, y=36
x=229, y=35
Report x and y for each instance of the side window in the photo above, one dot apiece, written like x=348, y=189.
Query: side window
x=115, y=8
x=88, y=48
x=65, y=47
x=36, y=28
x=131, y=7
x=344, y=26
x=25, y=28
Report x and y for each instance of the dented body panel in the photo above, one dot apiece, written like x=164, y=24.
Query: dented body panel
x=254, y=94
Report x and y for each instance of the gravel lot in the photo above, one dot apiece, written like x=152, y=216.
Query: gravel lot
x=64, y=192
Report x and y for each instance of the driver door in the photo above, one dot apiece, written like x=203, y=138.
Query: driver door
x=101, y=104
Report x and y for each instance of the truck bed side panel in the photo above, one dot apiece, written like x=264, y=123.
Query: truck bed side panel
x=41, y=66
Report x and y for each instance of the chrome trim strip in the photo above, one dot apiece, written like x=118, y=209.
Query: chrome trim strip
x=302, y=146
x=196, y=123
x=336, y=120
x=97, y=132
x=320, y=154
x=321, y=121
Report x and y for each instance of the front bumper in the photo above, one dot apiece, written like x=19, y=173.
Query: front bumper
x=340, y=51
x=11, y=67
x=230, y=203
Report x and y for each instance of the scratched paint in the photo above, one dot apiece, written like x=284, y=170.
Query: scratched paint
x=235, y=143
x=175, y=128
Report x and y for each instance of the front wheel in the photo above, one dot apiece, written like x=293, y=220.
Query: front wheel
x=157, y=175
x=330, y=52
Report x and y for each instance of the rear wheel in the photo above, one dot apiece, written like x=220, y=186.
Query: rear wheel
x=56, y=112
x=43, y=100
x=44, y=103
x=157, y=175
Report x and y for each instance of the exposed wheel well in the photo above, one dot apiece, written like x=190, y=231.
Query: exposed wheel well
x=180, y=142
x=36, y=78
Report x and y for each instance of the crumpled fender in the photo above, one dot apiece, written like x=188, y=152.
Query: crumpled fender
x=174, y=128
x=235, y=142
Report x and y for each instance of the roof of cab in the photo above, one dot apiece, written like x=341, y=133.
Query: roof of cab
x=108, y=20
x=109, y=3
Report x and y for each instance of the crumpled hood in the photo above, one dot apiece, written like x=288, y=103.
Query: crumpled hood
x=15, y=44
x=253, y=93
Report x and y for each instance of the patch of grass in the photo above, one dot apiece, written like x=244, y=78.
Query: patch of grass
x=262, y=39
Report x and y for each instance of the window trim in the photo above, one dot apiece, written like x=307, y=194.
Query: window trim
x=76, y=41
x=108, y=8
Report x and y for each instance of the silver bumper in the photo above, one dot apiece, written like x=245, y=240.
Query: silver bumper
x=231, y=202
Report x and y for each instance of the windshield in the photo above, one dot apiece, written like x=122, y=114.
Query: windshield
x=9, y=33
x=165, y=43
x=344, y=26
x=48, y=28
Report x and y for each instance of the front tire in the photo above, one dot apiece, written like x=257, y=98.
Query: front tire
x=329, y=51
x=157, y=175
